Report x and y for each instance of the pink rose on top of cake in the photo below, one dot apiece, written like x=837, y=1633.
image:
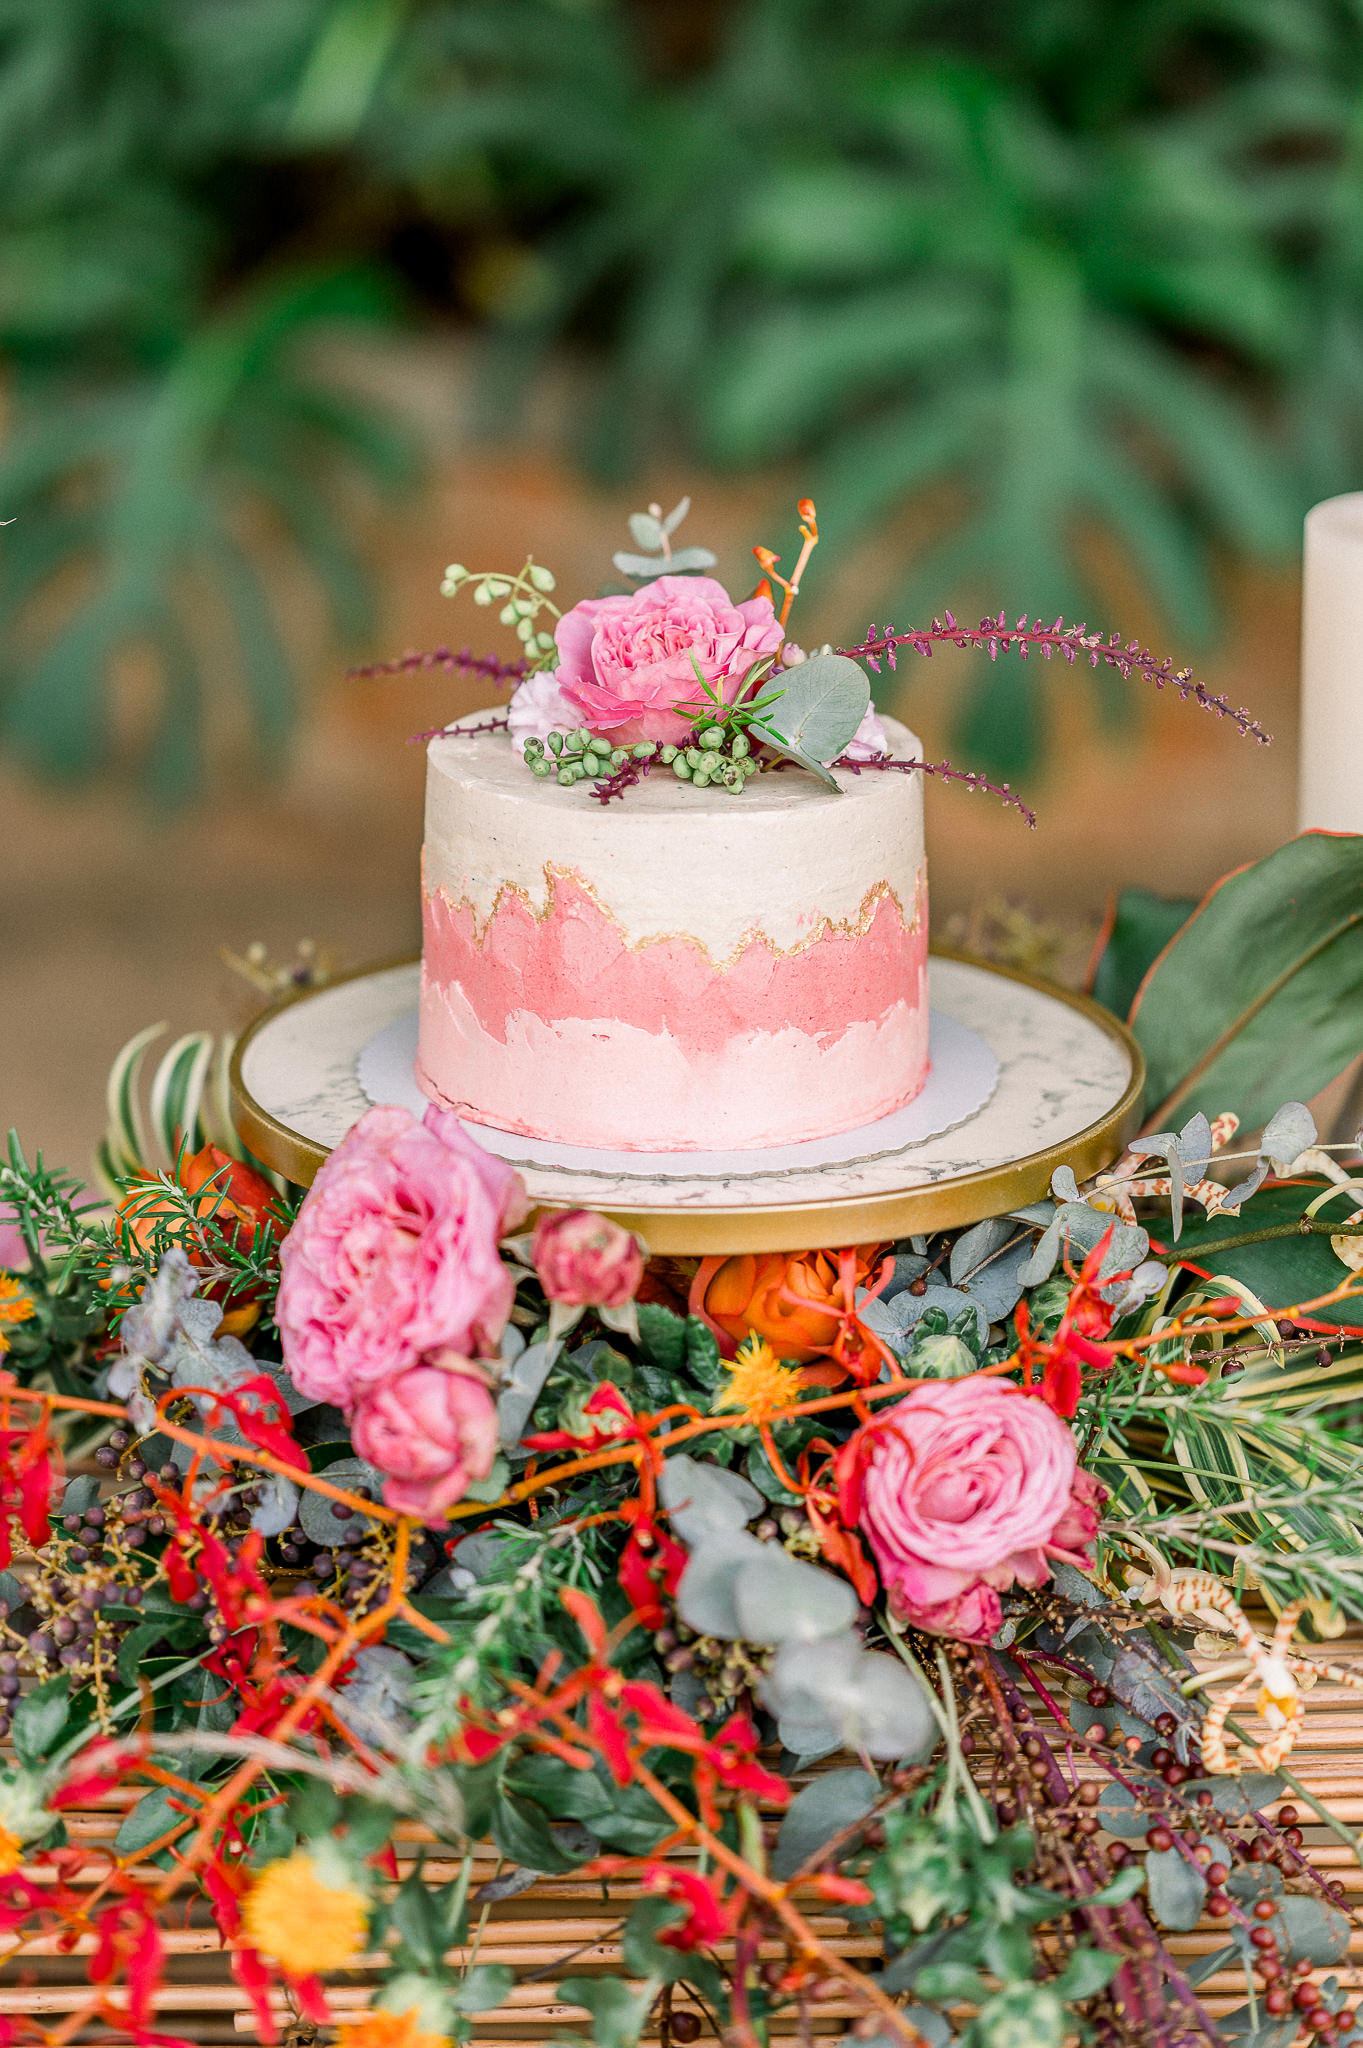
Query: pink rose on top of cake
x=963, y=1489
x=394, y=1254
x=432, y=1431
x=625, y=663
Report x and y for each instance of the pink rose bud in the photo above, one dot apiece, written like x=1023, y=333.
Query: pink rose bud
x=432, y=1431
x=587, y=1261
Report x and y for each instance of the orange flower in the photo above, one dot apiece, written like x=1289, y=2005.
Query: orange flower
x=229, y=1195
x=802, y=1303
x=11, y=1851
x=305, y=1923
x=380, y=2029
x=15, y=1307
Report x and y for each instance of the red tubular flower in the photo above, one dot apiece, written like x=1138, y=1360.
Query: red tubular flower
x=128, y=1944
x=1077, y=1343
x=846, y=1891
x=611, y=1417
x=651, y=1565
x=709, y=1916
x=29, y=1470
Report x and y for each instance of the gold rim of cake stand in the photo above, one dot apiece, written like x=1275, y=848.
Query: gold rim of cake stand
x=781, y=1226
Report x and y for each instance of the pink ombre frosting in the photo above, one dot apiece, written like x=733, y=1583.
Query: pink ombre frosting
x=705, y=974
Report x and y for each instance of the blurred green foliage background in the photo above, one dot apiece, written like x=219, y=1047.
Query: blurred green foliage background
x=1095, y=266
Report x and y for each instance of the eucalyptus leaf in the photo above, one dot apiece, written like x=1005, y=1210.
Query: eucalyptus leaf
x=1176, y=1889
x=618, y=2010
x=314, y=1513
x=1240, y=1798
x=707, y=1595
x=870, y=1701
x=703, y=1499
x=1199, y=1968
x=1311, y=1931
x=276, y=1504
x=1079, y=1228
x=819, y=1813
x=1287, y=1134
x=782, y=1599
x=986, y=1263
x=521, y=1388
x=1117, y=1809
x=1248, y=2027
x=645, y=531
x=823, y=701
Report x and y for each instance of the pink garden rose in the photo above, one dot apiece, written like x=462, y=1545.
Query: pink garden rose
x=394, y=1255
x=962, y=1489
x=431, y=1431
x=626, y=662
x=586, y=1260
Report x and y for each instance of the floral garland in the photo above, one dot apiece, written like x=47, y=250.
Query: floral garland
x=399, y=1511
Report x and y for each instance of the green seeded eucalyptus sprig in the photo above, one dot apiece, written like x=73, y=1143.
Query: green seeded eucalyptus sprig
x=526, y=594
x=579, y=756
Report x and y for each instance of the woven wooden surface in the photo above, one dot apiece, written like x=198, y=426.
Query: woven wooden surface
x=562, y=1926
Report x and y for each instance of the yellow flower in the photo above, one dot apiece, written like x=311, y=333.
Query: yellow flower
x=11, y=1851
x=15, y=1307
x=378, y=2029
x=305, y=1924
x=759, y=1383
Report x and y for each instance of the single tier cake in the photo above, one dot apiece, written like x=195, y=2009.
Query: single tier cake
x=686, y=970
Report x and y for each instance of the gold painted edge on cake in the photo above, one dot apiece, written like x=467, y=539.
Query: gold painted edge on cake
x=790, y=1226
x=829, y=927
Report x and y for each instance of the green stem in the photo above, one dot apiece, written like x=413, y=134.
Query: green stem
x=1302, y=1229
x=129, y=1699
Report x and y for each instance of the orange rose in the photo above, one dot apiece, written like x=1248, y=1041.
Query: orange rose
x=802, y=1303
x=231, y=1196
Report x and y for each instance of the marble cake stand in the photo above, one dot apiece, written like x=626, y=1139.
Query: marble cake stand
x=1067, y=1092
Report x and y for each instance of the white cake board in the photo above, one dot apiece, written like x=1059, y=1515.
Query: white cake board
x=962, y=1077
x=1066, y=1087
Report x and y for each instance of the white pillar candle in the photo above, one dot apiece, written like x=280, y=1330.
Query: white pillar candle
x=1330, y=788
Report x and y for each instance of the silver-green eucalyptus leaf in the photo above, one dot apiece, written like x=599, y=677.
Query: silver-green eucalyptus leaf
x=705, y=1500
x=645, y=531
x=820, y=1812
x=782, y=1599
x=823, y=701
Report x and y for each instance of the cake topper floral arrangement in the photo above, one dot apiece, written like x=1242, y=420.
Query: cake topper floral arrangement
x=667, y=671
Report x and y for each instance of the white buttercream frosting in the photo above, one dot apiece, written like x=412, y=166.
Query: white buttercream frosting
x=782, y=858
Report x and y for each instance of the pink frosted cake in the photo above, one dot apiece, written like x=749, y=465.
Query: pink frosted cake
x=688, y=970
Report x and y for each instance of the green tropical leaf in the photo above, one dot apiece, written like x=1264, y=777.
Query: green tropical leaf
x=1256, y=1001
x=1284, y=1269
x=1140, y=927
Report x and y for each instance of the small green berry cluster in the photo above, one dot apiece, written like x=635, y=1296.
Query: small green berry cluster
x=580, y=757
x=526, y=595
x=720, y=756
